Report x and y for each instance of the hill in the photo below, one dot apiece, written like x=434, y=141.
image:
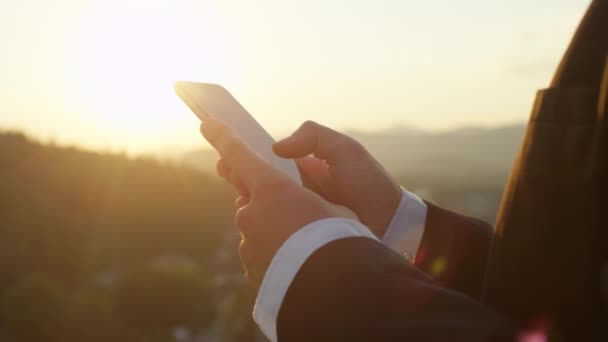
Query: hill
x=471, y=156
x=464, y=169
x=134, y=248
x=102, y=247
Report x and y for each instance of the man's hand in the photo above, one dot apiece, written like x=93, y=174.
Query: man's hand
x=343, y=172
x=271, y=206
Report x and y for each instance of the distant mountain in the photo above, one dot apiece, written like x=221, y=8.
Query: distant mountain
x=470, y=157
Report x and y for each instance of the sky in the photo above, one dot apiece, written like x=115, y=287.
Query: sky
x=99, y=73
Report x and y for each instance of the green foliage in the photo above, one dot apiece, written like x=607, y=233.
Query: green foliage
x=237, y=323
x=85, y=240
x=69, y=210
x=157, y=298
x=31, y=309
x=88, y=315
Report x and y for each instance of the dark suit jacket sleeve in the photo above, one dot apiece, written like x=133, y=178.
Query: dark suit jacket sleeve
x=356, y=289
x=454, y=250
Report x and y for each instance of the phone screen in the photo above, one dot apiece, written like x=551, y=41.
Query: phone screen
x=214, y=100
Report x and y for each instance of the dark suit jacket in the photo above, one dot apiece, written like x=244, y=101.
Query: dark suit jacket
x=549, y=258
x=547, y=263
x=454, y=250
x=356, y=289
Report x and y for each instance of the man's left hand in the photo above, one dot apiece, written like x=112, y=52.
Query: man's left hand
x=271, y=206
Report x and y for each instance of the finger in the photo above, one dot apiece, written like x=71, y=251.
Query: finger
x=314, y=174
x=212, y=129
x=247, y=166
x=241, y=201
x=223, y=169
x=249, y=261
x=323, y=142
x=314, y=168
x=237, y=184
x=243, y=221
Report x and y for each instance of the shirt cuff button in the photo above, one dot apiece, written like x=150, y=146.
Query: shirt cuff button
x=407, y=256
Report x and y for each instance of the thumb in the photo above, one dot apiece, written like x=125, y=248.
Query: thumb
x=323, y=142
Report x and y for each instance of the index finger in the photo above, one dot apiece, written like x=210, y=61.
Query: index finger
x=249, y=167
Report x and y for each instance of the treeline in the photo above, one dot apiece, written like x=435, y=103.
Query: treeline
x=103, y=247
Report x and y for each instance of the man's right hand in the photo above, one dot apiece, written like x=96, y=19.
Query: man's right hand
x=343, y=172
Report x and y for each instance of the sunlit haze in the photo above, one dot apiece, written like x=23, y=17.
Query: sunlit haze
x=99, y=73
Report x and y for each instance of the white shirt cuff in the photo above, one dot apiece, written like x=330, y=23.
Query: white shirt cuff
x=288, y=260
x=405, y=231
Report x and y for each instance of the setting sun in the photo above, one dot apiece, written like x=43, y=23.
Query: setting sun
x=100, y=73
x=124, y=60
x=359, y=150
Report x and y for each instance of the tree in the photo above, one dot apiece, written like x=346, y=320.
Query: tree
x=31, y=309
x=155, y=299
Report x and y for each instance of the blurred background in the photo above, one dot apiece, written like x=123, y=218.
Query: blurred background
x=113, y=225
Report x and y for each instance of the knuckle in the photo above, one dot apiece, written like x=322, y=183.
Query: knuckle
x=355, y=146
x=309, y=125
x=241, y=201
x=211, y=136
x=273, y=186
x=243, y=251
x=242, y=221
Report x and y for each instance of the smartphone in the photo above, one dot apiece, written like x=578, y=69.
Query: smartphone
x=206, y=99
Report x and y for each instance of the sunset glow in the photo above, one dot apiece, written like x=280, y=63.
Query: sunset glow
x=100, y=73
x=124, y=62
